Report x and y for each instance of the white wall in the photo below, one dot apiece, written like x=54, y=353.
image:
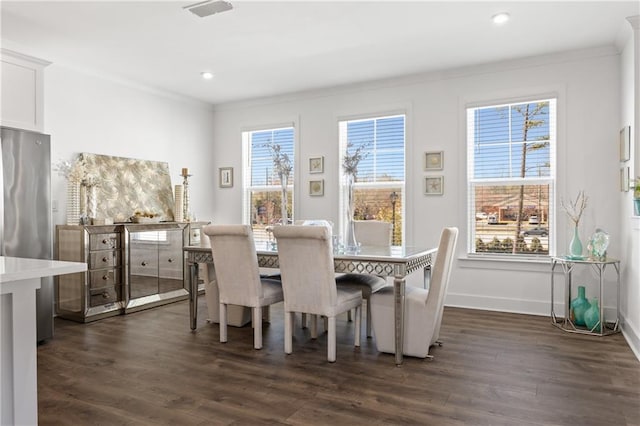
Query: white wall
x=86, y=113
x=587, y=86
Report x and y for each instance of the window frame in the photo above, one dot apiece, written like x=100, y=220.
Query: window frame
x=552, y=180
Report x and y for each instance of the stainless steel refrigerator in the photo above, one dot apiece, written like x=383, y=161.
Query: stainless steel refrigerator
x=25, y=209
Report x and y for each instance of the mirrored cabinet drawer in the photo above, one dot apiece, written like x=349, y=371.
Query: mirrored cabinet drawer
x=104, y=278
x=104, y=259
x=103, y=296
x=104, y=241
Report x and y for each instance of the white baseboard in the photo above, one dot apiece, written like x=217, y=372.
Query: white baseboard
x=500, y=304
x=632, y=337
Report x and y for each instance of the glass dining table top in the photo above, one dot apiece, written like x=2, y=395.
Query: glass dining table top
x=370, y=252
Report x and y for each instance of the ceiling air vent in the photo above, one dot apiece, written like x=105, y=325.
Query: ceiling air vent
x=209, y=7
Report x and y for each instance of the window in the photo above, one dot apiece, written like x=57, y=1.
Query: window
x=262, y=183
x=511, y=178
x=379, y=186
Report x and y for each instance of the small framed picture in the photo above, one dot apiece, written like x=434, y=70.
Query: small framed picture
x=434, y=185
x=226, y=177
x=316, y=165
x=624, y=179
x=434, y=160
x=316, y=188
x=625, y=143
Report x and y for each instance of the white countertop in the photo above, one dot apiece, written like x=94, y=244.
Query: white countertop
x=17, y=268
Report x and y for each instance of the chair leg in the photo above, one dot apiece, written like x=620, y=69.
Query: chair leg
x=223, y=323
x=303, y=321
x=331, y=340
x=257, y=327
x=368, y=318
x=288, y=332
x=266, y=314
x=349, y=315
x=358, y=327
x=314, y=326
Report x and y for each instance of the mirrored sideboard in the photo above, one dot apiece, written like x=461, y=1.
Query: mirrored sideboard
x=130, y=267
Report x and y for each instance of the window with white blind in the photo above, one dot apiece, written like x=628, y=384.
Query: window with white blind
x=379, y=189
x=511, y=150
x=262, y=183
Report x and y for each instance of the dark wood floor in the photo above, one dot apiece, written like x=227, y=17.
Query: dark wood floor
x=494, y=369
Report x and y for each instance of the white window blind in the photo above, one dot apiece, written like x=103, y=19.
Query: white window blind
x=381, y=171
x=262, y=185
x=511, y=151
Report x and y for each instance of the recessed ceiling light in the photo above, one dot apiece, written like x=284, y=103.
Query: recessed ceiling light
x=207, y=75
x=500, y=18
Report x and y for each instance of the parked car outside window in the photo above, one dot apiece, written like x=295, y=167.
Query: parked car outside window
x=543, y=232
x=533, y=220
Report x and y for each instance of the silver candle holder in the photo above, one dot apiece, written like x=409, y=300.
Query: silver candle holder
x=186, y=214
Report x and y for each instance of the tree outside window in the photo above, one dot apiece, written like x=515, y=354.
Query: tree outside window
x=511, y=177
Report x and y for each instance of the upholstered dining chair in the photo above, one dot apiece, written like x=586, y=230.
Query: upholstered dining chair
x=368, y=233
x=238, y=276
x=373, y=232
x=423, y=308
x=305, y=255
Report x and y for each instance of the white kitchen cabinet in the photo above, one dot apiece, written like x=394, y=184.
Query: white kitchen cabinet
x=22, y=91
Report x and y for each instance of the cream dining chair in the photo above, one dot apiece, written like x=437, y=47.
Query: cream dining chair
x=373, y=233
x=423, y=308
x=305, y=256
x=238, y=276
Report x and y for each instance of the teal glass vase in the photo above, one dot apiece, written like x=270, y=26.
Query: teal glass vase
x=592, y=316
x=575, y=246
x=579, y=306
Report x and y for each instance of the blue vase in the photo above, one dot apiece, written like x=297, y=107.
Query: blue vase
x=579, y=306
x=575, y=247
x=592, y=316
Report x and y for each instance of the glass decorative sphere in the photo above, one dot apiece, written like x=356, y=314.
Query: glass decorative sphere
x=599, y=243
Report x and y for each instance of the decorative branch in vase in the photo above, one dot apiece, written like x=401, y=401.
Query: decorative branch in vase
x=350, y=163
x=574, y=210
x=282, y=166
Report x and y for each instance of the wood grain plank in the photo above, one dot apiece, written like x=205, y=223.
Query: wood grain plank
x=494, y=369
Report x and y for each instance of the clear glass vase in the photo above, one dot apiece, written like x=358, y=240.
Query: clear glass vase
x=73, y=203
x=350, y=243
x=284, y=180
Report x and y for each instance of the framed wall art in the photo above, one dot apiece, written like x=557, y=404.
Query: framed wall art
x=316, y=165
x=226, y=177
x=316, y=188
x=625, y=143
x=433, y=160
x=434, y=185
x=624, y=179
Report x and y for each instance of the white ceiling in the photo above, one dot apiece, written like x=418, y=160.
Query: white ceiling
x=265, y=48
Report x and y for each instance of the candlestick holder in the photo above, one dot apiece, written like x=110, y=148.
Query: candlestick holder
x=186, y=214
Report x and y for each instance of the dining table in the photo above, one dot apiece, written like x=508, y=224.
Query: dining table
x=396, y=262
